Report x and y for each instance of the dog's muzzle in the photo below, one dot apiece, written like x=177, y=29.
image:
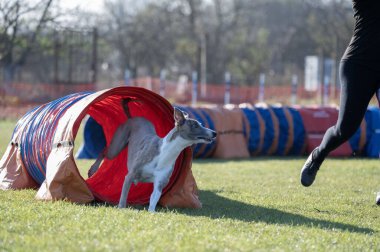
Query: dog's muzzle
x=208, y=139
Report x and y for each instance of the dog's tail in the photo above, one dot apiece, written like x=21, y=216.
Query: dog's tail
x=124, y=104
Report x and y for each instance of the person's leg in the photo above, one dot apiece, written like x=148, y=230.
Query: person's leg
x=378, y=99
x=358, y=85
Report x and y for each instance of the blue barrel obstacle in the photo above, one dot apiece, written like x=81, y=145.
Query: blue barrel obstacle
x=274, y=131
x=366, y=141
x=94, y=140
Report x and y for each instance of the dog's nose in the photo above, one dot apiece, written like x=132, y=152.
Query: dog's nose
x=214, y=134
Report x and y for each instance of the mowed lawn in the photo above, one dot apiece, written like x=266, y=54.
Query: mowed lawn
x=248, y=205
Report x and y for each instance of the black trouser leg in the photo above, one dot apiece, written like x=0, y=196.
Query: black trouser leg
x=358, y=85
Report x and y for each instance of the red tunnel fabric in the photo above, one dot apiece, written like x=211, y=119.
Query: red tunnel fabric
x=107, y=182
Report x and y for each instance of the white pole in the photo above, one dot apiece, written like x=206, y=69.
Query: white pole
x=227, y=94
x=149, y=83
x=194, y=77
x=126, y=77
x=203, y=65
x=294, y=89
x=261, y=87
x=162, y=82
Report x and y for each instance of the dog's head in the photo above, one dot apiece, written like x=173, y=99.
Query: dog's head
x=191, y=130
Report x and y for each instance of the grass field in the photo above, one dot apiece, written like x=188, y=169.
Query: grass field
x=248, y=205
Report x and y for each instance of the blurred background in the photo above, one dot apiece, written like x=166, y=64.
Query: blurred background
x=189, y=51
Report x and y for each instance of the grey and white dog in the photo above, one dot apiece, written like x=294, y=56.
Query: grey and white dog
x=151, y=158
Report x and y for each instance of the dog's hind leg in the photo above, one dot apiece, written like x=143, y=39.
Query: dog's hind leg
x=125, y=190
x=94, y=168
x=119, y=141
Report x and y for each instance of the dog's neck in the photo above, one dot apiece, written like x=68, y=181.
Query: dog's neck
x=174, y=138
x=172, y=145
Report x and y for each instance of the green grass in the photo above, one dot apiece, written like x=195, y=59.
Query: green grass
x=255, y=204
x=6, y=129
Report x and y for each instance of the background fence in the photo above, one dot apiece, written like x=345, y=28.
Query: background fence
x=18, y=93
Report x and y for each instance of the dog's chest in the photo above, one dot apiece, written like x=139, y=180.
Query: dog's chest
x=152, y=158
x=153, y=170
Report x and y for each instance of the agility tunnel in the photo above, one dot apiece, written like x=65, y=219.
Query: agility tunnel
x=292, y=135
x=366, y=141
x=253, y=128
x=317, y=120
x=40, y=153
x=372, y=118
x=262, y=130
x=230, y=141
x=273, y=130
x=271, y=136
x=94, y=140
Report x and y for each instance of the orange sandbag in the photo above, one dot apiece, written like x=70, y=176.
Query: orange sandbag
x=229, y=126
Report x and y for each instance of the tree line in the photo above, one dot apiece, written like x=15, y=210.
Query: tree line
x=243, y=37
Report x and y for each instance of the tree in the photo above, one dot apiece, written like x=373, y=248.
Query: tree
x=19, y=30
x=244, y=37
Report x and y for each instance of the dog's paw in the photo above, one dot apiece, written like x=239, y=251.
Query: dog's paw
x=121, y=206
x=151, y=210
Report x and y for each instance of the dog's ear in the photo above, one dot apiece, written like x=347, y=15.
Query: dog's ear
x=179, y=117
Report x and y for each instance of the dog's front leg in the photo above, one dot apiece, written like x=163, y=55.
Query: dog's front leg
x=124, y=192
x=154, y=198
x=159, y=184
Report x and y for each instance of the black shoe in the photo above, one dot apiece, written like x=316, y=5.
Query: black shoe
x=309, y=170
x=378, y=199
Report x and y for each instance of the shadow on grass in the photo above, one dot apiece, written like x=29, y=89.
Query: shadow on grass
x=256, y=159
x=215, y=206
